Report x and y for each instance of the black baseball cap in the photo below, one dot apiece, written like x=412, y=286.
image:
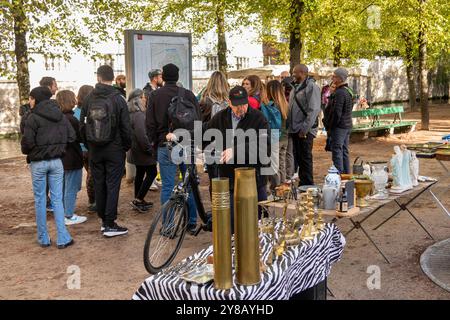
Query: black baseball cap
x=238, y=96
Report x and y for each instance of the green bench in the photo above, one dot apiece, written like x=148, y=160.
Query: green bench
x=377, y=126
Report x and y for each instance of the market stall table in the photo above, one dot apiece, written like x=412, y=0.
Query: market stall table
x=301, y=267
x=374, y=206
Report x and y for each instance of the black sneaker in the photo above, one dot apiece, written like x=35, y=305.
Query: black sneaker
x=114, y=231
x=139, y=206
x=45, y=245
x=63, y=246
x=191, y=229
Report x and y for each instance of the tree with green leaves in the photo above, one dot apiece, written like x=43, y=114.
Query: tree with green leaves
x=55, y=28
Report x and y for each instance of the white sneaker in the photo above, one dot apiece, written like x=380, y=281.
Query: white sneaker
x=75, y=219
x=154, y=187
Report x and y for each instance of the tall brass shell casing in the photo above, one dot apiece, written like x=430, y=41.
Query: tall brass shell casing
x=220, y=200
x=246, y=237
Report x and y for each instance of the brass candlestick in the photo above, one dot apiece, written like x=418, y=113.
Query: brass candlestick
x=311, y=204
x=305, y=233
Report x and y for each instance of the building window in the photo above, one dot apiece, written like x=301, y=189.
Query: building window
x=242, y=63
x=212, y=63
x=115, y=61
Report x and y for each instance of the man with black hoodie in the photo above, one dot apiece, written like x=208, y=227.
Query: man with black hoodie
x=108, y=157
x=45, y=136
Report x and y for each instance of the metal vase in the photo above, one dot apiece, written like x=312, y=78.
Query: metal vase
x=220, y=202
x=246, y=238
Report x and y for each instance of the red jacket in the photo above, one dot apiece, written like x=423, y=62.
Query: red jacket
x=254, y=103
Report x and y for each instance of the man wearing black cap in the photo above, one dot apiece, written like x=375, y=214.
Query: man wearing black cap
x=239, y=119
x=105, y=128
x=159, y=132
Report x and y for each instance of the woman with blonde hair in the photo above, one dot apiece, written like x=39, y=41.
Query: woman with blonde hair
x=215, y=96
x=255, y=90
x=276, y=113
x=72, y=159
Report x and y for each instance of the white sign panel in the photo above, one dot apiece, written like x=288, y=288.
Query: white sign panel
x=152, y=50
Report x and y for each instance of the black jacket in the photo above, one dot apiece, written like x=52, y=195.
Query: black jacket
x=253, y=119
x=73, y=158
x=340, y=114
x=122, y=141
x=46, y=132
x=141, y=153
x=157, y=117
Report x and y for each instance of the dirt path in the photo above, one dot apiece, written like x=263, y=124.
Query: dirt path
x=113, y=268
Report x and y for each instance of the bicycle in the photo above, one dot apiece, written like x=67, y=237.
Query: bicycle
x=168, y=228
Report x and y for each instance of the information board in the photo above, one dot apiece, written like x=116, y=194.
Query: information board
x=147, y=50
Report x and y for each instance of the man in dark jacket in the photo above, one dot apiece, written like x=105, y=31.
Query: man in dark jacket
x=304, y=108
x=159, y=133
x=156, y=82
x=46, y=134
x=240, y=120
x=108, y=160
x=339, y=122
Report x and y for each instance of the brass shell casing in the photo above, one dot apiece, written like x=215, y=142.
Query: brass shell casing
x=220, y=203
x=246, y=237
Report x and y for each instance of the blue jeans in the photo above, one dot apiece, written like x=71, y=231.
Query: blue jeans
x=54, y=171
x=72, y=184
x=168, y=172
x=339, y=147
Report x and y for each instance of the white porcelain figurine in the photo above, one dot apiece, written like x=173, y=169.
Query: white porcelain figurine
x=414, y=166
x=401, y=171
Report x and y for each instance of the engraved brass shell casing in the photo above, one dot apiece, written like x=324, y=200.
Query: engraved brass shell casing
x=220, y=203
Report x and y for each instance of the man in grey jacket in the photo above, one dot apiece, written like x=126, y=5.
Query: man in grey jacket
x=304, y=108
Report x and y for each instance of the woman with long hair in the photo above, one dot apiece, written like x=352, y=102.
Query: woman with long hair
x=72, y=159
x=83, y=92
x=255, y=90
x=276, y=112
x=214, y=97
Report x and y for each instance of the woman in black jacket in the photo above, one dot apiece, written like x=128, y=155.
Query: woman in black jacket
x=72, y=160
x=45, y=136
x=142, y=154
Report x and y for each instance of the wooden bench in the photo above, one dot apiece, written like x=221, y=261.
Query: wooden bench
x=377, y=126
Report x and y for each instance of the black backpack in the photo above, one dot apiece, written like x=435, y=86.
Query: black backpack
x=100, y=120
x=182, y=112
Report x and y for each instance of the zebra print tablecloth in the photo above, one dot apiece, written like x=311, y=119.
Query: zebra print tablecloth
x=301, y=268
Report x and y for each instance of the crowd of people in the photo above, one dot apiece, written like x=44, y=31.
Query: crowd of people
x=101, y=128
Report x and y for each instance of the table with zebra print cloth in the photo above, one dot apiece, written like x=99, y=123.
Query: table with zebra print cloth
x=301, y=267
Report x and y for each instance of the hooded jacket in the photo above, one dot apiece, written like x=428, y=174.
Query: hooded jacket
x=122, y=140
x=141, y=152
x=308, y=94
x=46, y=132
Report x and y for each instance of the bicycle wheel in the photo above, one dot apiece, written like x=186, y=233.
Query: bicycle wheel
x=165, y=236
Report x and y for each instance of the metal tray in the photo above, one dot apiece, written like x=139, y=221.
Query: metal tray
x=201, y=275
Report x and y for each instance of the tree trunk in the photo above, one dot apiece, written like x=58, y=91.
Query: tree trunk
x=221, y=39
x=423, y=74
x=295, y=45
x=21, y=50
x=410, y=71
x=337, y=55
